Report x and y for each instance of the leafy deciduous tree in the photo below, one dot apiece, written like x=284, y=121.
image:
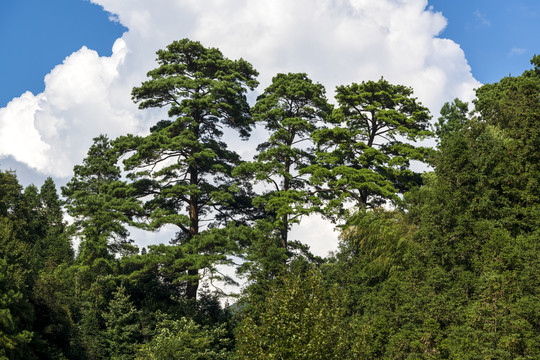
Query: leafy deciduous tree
x=300, y=318
x=185, y=339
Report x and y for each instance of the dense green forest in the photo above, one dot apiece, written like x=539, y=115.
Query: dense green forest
x=443, y=264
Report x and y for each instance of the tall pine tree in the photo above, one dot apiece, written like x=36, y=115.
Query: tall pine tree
x=365, y=157
x=182, y=168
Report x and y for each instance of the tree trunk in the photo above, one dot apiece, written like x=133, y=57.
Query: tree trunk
x=284, y=231
x=285, y=218
x=193, y=285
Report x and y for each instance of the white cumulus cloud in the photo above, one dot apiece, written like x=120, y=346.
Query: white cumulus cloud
x=335, y=41
x=52, y=131
x=18, y=135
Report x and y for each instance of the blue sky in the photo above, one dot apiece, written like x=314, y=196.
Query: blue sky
x=37, y=35
x=499, y=37
x=67, y=67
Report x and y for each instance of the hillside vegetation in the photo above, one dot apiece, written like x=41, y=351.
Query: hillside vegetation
x=439, y=265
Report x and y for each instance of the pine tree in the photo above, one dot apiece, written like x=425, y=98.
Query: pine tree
x=123, y=329
x=100, y=203
x=365, y=158
x=291, y=109
x=16, y=312
x=182, y=169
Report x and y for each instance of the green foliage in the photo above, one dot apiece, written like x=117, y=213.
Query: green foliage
x=156, y=276
x=184, y=339
x=12, y=203
x=58, y=246
x=375, y=243
x=44, y=229
x=181, y=168
x=93, y=304
x=15, y=312
x=477, y=219
x=452, y=273
x=100, y=203
x=53, y=321
x=291, y=108
x=512, y=109
x=455, y=276
x=265, y=258
x=301, y=318
x=365, y=157
x=454, y=117
x=123, y=330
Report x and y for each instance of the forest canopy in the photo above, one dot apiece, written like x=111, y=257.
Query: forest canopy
x=443, y=264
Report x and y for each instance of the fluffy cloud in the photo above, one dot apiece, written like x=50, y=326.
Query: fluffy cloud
x=53, y=130
x=18, y=135
x=335, y=41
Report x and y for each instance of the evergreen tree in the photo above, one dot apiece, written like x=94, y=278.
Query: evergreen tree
x=57, y=244
x=53, y=302
x=181, y=168
x=34, y=231
x=454, y=118
x=16, y=312
x=100, y=203
x=474, y=272
x=291, y=108
x=123, y=330
x=93, y=305
x=365, y=158
x=15, y=309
